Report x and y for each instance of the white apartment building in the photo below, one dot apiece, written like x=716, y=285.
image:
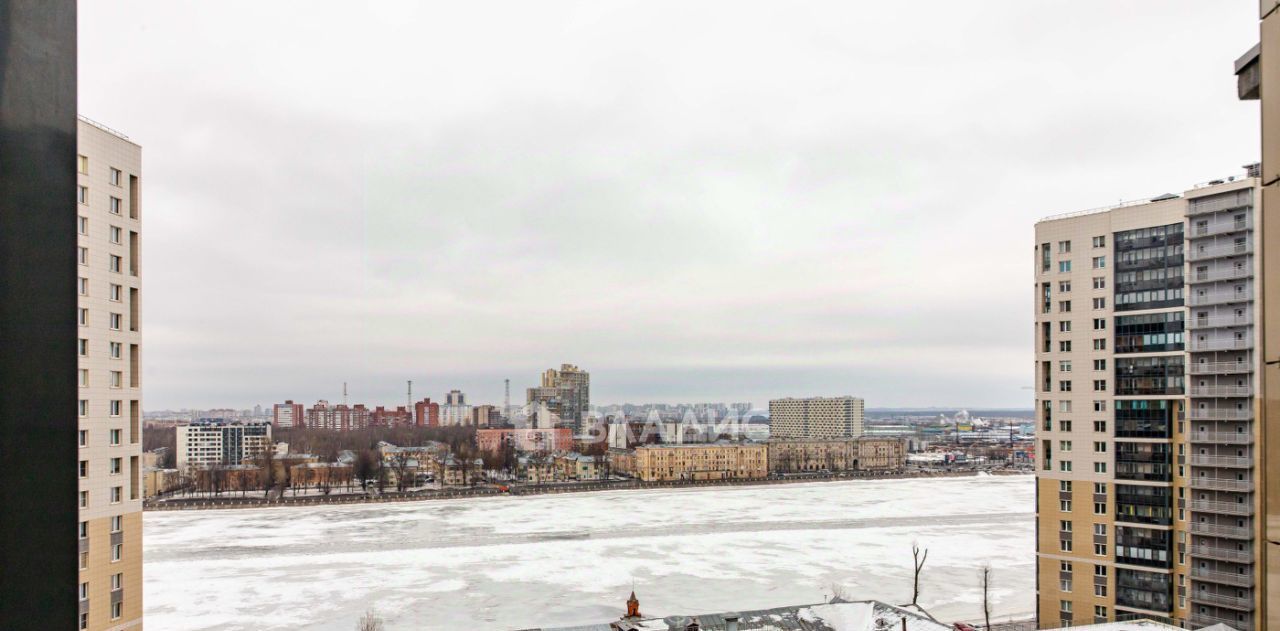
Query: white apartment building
x=108, y=204
x=816, y=417
x=211, y=442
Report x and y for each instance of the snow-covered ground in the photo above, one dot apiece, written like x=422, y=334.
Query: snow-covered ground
x=516, y=562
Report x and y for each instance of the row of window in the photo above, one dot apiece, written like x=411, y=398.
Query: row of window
x=1064, y=425
x=116, y=465
x=115, y=292
x=1098, y=262
x=116, y=437
x=114, y=176
x=117, y=496
x=116, y=378
x=116, y=321
x=116, y=407
x=115, y=349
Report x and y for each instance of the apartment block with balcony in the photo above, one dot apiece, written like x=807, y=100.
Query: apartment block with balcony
x=1223, y=364
x=108, y=206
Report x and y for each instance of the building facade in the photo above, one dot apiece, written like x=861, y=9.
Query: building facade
x=713, y=461
x=341, y=417
x=288, y=414
x=564, y=395
x=1128, y=380
x=525, y=439
x=816, y=417
x=858, y=454
x=427, y=413
x=455, y=410
x=110, y=407
x=219, y=442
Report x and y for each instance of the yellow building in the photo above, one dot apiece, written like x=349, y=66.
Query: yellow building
x=857, y=454
x=713, y=461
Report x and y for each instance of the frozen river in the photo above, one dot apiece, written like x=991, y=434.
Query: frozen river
x=515, y=562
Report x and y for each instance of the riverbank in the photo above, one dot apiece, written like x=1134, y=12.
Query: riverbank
x=221, y=503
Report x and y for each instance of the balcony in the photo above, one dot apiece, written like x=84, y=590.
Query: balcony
x=1219, y=368
x=1234, y=602
x=1222, y=578
x=1214, y=530
x=1222, y=438
x=1221, y=391
x=1243, y=319
x=1220, y=250
x=1220, y=414
x=1221, y=484
x=1204, y=460
x=1222, y=274
x=1199, y=620
x=1219, y=297
x=1224, y=344
x=1222, y=554
x=1221, y=227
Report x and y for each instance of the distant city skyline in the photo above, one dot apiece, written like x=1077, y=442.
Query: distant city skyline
x=746, y=203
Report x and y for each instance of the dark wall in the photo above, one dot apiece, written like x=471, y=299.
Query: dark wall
x=38, y=512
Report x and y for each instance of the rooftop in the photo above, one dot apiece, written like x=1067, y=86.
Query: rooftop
x=867, y=615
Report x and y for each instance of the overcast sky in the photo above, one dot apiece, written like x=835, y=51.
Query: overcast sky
x=695, y=201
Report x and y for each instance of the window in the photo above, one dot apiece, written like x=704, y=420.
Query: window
x=83, y=226
x=1064, y=566
x=1064, y=585
x=84, y=407
x=1100, y=488
x=1064, y=525
x=84, y=530
x=1099, y=303
x=83, y=286
x=84, y=591
x=1064, y=606
x=82, y=255
x=1064, y=386
x=1064, y=445
x=84, y=468
x=1099, y=262
x=115, y=466
x=84, y=564
x=115, y=407
x=115, y=176
x=82, y=345
x=1064, y=486
x=117, y=493
x=1099, y=364
x=1065, y=346
x=1064, y=506
x=117, y=610
x=115, y=437
x=1099, y=446
x=1099, y=324
x=1064, y=247
x=1064, y=266
x=1099, y=282
x=84, y=438
x=1064, y=545
x=1100, y=530
x=1099, y=467
x=116, y=263
x=82, y=164
x=1099, y=343
x=1064, y=466
x=1100, y=385
x=1065, y=366
x=1099, y=426
x=83, y=317
x=117, y=581
x=1100, y=242
x=1064, y=425
x=1100, y=612
x=1099, y=570
x=1099, y=508
x=116, y=292
x=1064, y=306
x=1100, y=549
x=115, y=205
x=1100, y=406
x=1064, y=326
x=117, y=523
x=82, y=194
x=116, y=350
x=116, y=320
x=84, y=499
x=1064, y=285
x=117, y=377
x=116, y=234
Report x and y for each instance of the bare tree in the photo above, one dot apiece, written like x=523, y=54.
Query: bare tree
x=371, y=621
x=267, y=471
x=401, y=463
x=918, y=557
x=986, y=596
x=365, y=467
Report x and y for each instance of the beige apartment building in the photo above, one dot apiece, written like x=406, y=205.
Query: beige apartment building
x=866, y=453
x=712, y=461
x=816, y=417
x=1144, y=388
x=108, y=203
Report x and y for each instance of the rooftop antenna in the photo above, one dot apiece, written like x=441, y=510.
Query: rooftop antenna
x=506, y=398
x=344, y=393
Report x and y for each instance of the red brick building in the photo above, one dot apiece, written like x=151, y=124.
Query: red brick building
x=426, y=413
x=526, y=439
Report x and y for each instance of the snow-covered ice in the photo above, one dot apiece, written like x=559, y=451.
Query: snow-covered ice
x=515, y=562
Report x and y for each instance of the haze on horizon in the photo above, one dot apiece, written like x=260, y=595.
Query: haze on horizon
x=750, y=201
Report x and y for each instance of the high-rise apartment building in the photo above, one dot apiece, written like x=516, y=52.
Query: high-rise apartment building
x=455, y=410
x=565, y=394
x=816, y=417
x=288, y=414
x=215, y=441
x=1141, y=408
x=109, y=224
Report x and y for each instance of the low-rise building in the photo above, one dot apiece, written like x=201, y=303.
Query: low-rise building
x=451, y=471
x=575, y=466
x=320, y=475
x=156, y=481
x=711, y=461
x=525, y=439
x=536, y=469
x=867, y=453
